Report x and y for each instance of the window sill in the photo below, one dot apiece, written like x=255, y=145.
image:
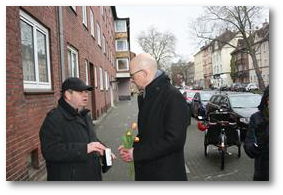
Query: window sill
x=38, y=92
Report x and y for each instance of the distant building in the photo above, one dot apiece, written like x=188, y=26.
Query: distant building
x=244, y=69
x=241, y=60
x=222, y=46
x=262, y=54
x=199, y=73
x=123, y=57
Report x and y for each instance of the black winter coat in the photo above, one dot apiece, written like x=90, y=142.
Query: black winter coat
x=162, y=125
x=64, y=136
x=258, y=148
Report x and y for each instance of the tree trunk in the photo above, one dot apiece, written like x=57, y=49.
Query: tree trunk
x=257, y=71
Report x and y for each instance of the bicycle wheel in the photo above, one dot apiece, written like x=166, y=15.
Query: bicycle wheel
x=239, y=143
x=222, y=150
x=205, y=145
x=222, y=156
x=239, y=151
x=205, y=149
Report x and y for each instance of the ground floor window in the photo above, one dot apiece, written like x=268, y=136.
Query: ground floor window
x=35, y=54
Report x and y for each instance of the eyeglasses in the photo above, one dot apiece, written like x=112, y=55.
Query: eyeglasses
x=132, y=74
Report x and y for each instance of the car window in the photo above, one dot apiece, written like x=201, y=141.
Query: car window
x=196, y=96
x=245, y=101
x=212, y=99
x=191, y=94
x=205, y=96
x=224, y=101
x=216, y=99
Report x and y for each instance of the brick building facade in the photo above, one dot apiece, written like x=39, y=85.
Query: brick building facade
x=44, y=46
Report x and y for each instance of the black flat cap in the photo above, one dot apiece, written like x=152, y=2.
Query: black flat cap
x=75, y=84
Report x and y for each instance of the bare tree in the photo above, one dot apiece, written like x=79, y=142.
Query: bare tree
x=241, y=19
x=160, y=45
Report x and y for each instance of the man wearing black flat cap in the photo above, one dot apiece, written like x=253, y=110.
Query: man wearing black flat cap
x=68, y=140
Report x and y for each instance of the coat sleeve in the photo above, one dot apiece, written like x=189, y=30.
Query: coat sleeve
x=55, y=149
x=175, y=127
x=250, y=144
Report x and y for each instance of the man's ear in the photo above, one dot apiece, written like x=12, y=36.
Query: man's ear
x=146, y=73
x=68, y=95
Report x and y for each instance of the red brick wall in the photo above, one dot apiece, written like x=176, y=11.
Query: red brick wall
x=89, y=49
x=25, y=112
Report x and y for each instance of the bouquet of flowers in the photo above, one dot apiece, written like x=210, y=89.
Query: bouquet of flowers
x=128, y=139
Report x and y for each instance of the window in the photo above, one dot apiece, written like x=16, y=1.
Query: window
x=91, y=23
x=101, y=78
x=95, y=77
x=73, y=63
x=84, y=16
x=98, y=34
x=264, y=47
x=122, y=64
x=102, y=10
x=106, y=80
x=120, y=26
x=103, y=44
x=212, y=100
x=121, y=45
x=35, y=54
x=86, y=73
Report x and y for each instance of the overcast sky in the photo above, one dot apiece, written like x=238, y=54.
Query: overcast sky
x=172, y=18
x=175, y=19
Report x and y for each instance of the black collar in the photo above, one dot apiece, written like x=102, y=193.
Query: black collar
x=157, y=84
x=72, y=112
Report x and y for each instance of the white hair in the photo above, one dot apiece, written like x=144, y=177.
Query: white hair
x=145, y=61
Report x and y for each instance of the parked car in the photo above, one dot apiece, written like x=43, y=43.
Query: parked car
x=188, y=96
x=251, y=86
x=235, y=86
x=241, y=105
x=224, y=88
x=242, y=87
x=199, y=102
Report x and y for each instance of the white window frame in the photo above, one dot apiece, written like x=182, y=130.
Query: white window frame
x=98, y=34
x=101, y=78
x=37, y=85
x=121, y=40
x=124, y=28
x=84, y=11
x=95, y=75
x=117, y=64
x=103, y=44
x=102, y=10
x=70, y=66
x=86, y=73
x=106, y=80
x=91, y=22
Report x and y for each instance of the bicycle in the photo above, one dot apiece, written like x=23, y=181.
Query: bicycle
x=220, y=131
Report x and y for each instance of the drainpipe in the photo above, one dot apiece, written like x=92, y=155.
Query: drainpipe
x=61, y=43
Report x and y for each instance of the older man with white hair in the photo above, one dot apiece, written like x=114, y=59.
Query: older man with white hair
x=162, y=125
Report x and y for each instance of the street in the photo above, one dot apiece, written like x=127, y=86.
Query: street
x=199, y=168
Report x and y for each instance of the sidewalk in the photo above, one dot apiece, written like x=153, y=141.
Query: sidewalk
x=198, y=166
x=109, y=130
